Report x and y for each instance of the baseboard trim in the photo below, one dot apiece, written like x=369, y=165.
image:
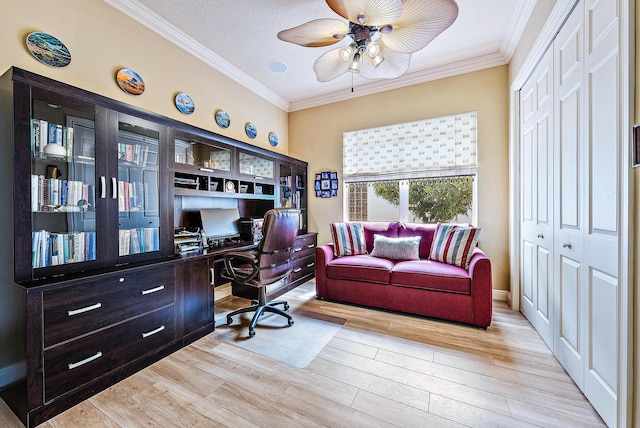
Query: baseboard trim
x=502, y=295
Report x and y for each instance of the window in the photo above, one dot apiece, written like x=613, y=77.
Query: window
x=419, y=172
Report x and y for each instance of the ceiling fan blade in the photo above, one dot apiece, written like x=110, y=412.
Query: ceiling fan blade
x=395, y=64
x=377, y=12
x=315, y=33
x=420, y=23
x=329, y=66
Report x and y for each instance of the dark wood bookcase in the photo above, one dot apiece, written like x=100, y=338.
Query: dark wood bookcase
x=91, y=287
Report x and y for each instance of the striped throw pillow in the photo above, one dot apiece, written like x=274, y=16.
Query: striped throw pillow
x=348, y=239
x=454, y=244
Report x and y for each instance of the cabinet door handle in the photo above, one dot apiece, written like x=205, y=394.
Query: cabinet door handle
x=311, y=245
x=103, y=187
x=296, y=270
x=213, y=276
x=152, y=332
x=85, y=361
x=540, y=235
x=152, y=290
x=310, y=264
x=295, y=250
x=258, y=178
x=114, y=188
x=566, y=245
x=85, y=309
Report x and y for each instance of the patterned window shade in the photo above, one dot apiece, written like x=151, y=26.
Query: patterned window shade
x=438, y=146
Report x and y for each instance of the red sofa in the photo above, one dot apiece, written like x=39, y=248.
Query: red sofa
x=422, y=287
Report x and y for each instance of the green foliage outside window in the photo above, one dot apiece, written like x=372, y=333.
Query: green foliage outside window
x=434, y=199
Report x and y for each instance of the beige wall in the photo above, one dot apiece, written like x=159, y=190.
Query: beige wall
x=316, y=136
x=102, y=40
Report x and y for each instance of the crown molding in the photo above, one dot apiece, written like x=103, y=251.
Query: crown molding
x=516, y=28
x=448, y=70
x=170, y=32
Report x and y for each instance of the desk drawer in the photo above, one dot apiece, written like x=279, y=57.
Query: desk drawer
x=82, y=308
x=74, y=363
x=304, y=246
x=303, y=267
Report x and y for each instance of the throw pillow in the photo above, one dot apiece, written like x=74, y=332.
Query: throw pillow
x=348, y=239
x=454, y=244
x=396, y=248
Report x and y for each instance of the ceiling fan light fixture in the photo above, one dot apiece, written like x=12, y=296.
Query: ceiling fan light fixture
x=377, y=60
x=346, y=52
x=354, y=67
x=373, y=49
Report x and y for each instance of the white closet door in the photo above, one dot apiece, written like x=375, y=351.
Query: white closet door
x=601, y=258
x=570, y=276
x=536, y=166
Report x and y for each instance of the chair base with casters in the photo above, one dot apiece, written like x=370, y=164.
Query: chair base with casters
x=261, y=306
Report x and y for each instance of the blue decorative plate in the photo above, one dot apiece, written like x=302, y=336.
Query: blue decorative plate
x=48, y=50
x=130, y=81
x=273, y=139
x=222, y=119
x=251, y=130
x=184, y=103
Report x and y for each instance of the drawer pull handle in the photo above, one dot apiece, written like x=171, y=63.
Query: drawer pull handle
x=86, y=309
x=310, y=264
x=295, y=250
x=152, y=290
x=296, y=270
x=85, y=361
x=311, y=245
x=152, y=332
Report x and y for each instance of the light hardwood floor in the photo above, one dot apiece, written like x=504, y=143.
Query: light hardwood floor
x=380, y=369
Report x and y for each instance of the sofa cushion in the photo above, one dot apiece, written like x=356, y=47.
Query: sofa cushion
x=348, y=239
x=454, y=244
x=424, y=231
x=431, y=275
x=396, y=248
x=360, y=268
x=383, y=228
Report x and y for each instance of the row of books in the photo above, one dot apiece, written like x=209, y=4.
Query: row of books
x=51, y=249
x=43, y=133
x=140, y=240
x=131, y=196
x=49, y=194
x=135, y=153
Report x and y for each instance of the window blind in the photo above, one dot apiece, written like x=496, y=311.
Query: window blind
x=435, y=147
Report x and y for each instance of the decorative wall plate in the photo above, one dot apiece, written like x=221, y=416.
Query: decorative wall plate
x=222, y=119
x=251, y=130
x=273, y=139
x=130, y=81
x=184, y=103
x=48, y=50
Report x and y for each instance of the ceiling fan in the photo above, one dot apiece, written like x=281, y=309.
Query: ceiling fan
x=382, y=35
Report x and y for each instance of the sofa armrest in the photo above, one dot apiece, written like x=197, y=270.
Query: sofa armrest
x=481, y=288
x=324, y=255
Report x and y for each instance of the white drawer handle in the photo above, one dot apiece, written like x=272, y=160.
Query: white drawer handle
x=87, y=309
x=295, y=250
x=311, y=245
x=85, y=361
x=310, y=264
x=152, y=290
x=296, y=270
x=152, y=332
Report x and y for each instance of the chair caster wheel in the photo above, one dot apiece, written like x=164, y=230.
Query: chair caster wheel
x=229, y=320
x=254, y=302
x=252, y=333
x=286, y=307
x=290, y=323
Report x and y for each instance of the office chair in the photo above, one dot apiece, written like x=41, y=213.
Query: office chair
x=270, y=263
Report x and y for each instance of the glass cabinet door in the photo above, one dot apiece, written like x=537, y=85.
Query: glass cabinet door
x=257, y=167
x=286, y=190
x=138, y=189
x=209, y=157
x=63, y=171
x=301, y=195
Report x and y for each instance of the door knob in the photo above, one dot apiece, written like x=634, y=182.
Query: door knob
x=540, y=235
x=566, y=245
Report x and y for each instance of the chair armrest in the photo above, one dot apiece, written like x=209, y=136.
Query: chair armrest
x=481, y=288
x=234, y=271
x=324, y=255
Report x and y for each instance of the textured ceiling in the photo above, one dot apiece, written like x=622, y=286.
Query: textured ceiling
x=238, y=37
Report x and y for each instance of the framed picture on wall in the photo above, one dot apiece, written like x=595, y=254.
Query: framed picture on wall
x=636, y=146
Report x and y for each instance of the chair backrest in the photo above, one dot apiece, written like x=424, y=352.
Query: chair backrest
x=279, y=230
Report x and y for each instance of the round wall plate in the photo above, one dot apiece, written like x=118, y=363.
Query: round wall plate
x=222, y=119
x=184, y=103
x=273, y=139
x=130, y=81
x=48, y=50
x=251, y=130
